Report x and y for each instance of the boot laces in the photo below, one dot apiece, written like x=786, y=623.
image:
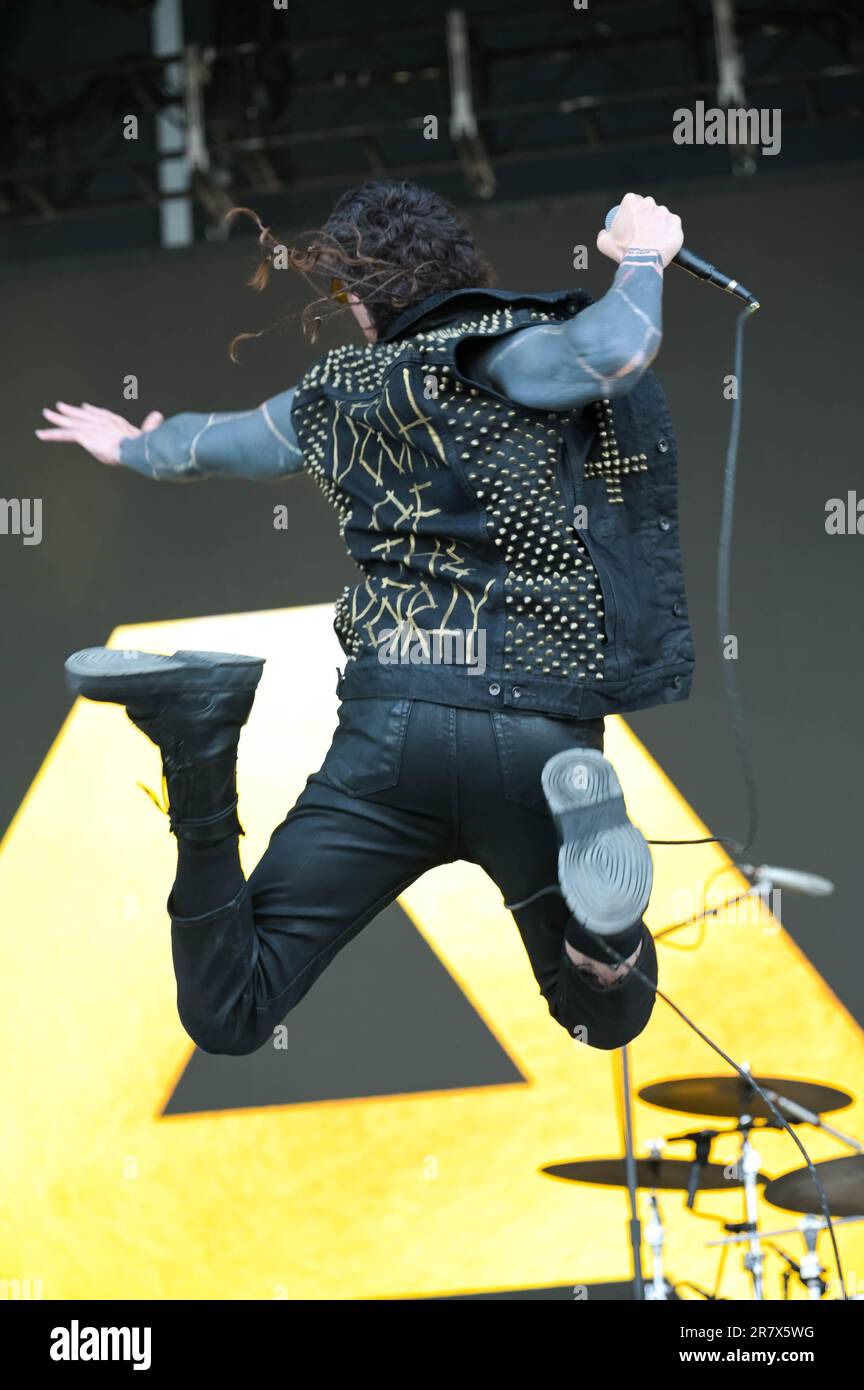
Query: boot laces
x=160, y=802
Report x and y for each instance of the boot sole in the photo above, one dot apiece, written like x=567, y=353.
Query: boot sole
x=605, y=870
x=103, y=673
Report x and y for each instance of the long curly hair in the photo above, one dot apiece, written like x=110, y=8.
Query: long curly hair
x=389, y=241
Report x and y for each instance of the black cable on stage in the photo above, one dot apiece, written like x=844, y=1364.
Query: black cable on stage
x=747, y=1077
x=724, y=570
x=736, y=719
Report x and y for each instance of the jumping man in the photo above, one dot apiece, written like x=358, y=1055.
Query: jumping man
x=503, y=467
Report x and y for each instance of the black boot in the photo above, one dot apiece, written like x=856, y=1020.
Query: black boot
x=192, y=705
x=604, y=864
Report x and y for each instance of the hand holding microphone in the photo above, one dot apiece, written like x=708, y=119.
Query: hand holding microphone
x=639, y=223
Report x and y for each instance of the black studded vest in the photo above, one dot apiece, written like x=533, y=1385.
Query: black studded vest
x=509, y=557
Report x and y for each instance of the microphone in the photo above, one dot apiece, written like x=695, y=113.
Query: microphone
x=700, y=1158
x=800, y=1112
x=789, y=880
x=703, y=270
x=702, y=1140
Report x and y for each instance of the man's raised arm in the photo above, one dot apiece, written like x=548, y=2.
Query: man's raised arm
x=608, y=347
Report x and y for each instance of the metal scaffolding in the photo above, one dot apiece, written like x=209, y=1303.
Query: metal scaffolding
x=467, y=92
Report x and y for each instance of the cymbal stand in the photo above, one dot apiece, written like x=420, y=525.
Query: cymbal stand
x=657, y=1289
x=748, y=1166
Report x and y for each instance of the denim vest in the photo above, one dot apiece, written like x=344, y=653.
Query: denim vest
x=509, y=557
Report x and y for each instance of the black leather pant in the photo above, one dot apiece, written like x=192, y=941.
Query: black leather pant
x=406, y=785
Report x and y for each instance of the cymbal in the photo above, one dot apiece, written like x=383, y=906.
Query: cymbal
x=842, y=1179
x=729, y=1095
x=670, y=1174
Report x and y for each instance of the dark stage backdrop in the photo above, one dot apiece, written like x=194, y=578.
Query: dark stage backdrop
x=119, y=549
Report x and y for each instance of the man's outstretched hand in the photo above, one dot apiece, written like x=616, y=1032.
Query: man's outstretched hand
x=100, y=432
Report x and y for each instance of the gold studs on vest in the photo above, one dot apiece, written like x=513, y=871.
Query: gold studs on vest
x=611, y=466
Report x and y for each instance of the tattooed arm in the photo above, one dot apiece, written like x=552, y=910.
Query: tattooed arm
x=258, y=444
x=608, y=347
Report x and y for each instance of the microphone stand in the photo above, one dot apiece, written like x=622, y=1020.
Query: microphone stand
x=634, y=1226
x=809, y=1272
x=749, y=1169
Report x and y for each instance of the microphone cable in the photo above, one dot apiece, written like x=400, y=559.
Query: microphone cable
x=724, y=572
x=749, y=1079
x=745, y=762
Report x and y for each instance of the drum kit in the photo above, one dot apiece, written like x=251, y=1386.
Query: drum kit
x=733, y=1098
